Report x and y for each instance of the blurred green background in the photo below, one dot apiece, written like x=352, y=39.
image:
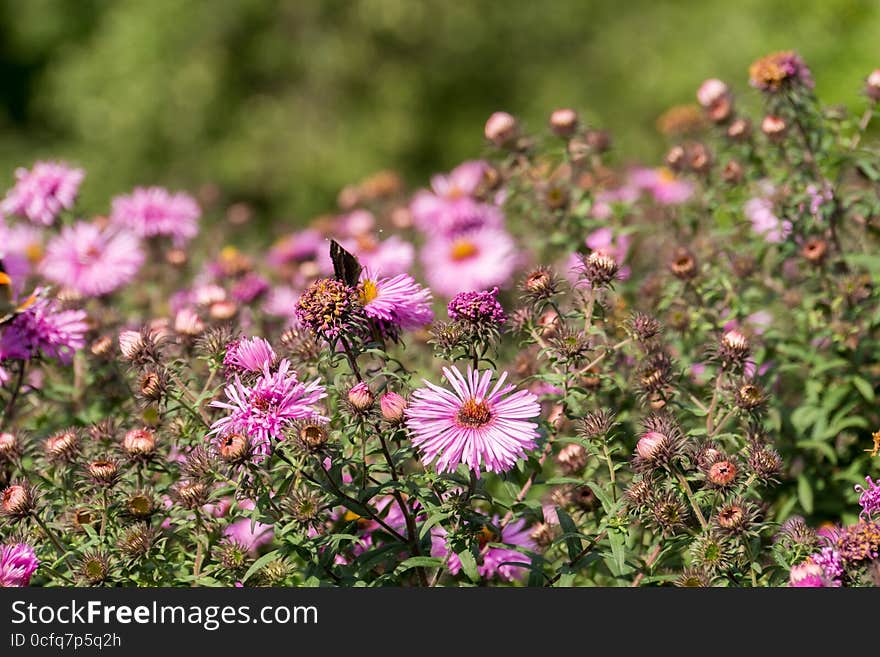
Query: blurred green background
x=281, y=102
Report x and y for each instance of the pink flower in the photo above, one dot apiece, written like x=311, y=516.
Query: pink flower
x=471, y=424
x=759, y=211
x=22, y=249
x=297, y=247
x=263, y=410
x=154, y=211
x=869, y=498
x=663, y=185
x=449, y=218
x=92, y=261
x=280, y=301
x=475, y=260
x=397, y=301
x=43, y=192
x=17, y=563
x=42, y=329
x=248, y=355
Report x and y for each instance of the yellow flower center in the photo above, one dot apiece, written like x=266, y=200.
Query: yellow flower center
x=462, y=250
x=369, y=291
x=666, y=175
x=34, y=252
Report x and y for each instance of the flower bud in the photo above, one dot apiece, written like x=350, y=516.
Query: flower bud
x=711, y=91
x=501, y=128
x=101, y=346
x=10, y=447
x=872, y=85
x=734, y=346
x=393, y=406
x=676, y=158
x=774, y=127
x=600, y=268
x=62, y=446
x=683, y=265
x=732, y=173
x=649, y=444
x=16, y=501
x=360, y=397
x=190, y=494
x=564, y=122
x=139, y=443
x=739, y=130
x=176, y=257
x=814, y=250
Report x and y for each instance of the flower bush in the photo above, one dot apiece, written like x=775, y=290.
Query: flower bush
x=547, y=369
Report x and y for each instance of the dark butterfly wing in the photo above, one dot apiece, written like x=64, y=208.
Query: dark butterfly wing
x=345, y=266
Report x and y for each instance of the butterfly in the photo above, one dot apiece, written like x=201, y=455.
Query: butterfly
x=345, y=266
x=9, y=310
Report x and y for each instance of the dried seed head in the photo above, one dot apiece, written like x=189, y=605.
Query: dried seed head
x=94, y=567
x=640, y=494
x=814, y=250
x=312, y=433
x=141, y=347
x=234, y=448
x=541, y=284
x=153, y=385
x=104, y=472
x=732, y=173
x=655, y=374
x=712, y=552
x=213, y=342
x=137, y=540
x=275, y=573
x=644, y=328
x=599, y=269
x=102, y=346
x=63, y=446
x=597, y=424
x=668, y=513
x=736, y=517
x=683, y=264
x=190, y=494
x=749, y=397
x=693, y=578
x=699, y=158
x=17, y=501
x=543, y=534
x=199, y=464
x=572, y=458
x=305, y=507
x=232, y=555
x=763, y=461
x=598, y=140
x=140, y=505
x=676, y=158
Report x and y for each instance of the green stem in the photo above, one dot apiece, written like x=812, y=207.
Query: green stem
x=693, y=502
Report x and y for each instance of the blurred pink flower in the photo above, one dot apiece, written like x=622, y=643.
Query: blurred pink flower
x=663, y=185
x=154, y=211
x=759, y=211
x=92, y=261
x=43, y=192
x=475, y=260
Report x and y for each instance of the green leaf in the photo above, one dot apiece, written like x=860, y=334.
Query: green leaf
x=419, y=562
x=469, y=565
x=259, y=563
x=572, y=542
x=805, y=494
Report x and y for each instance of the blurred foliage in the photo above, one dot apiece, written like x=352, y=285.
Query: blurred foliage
x=280, y=103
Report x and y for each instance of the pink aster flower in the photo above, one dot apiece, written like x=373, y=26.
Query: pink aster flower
x=43, y=192
x=92, y=261
x=297, y=247
x=463, y=180
x=451, y=217
x=154, y=211
x=280, y=301
x=249, y=287
x=471, y=424
x=17, y=563
x=500, y=561
x=248, y=355
x=869, y=498
x=663, y=185
x=42, y=329
x=21, y=246
x=476, y=260
x=263, y=410
x=759, y=211
x=397, y=301
x=808, y=575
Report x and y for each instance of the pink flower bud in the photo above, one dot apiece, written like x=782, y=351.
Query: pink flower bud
x=360, y=397
x=393, y=406
x=501, y=128
x=649, y=444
